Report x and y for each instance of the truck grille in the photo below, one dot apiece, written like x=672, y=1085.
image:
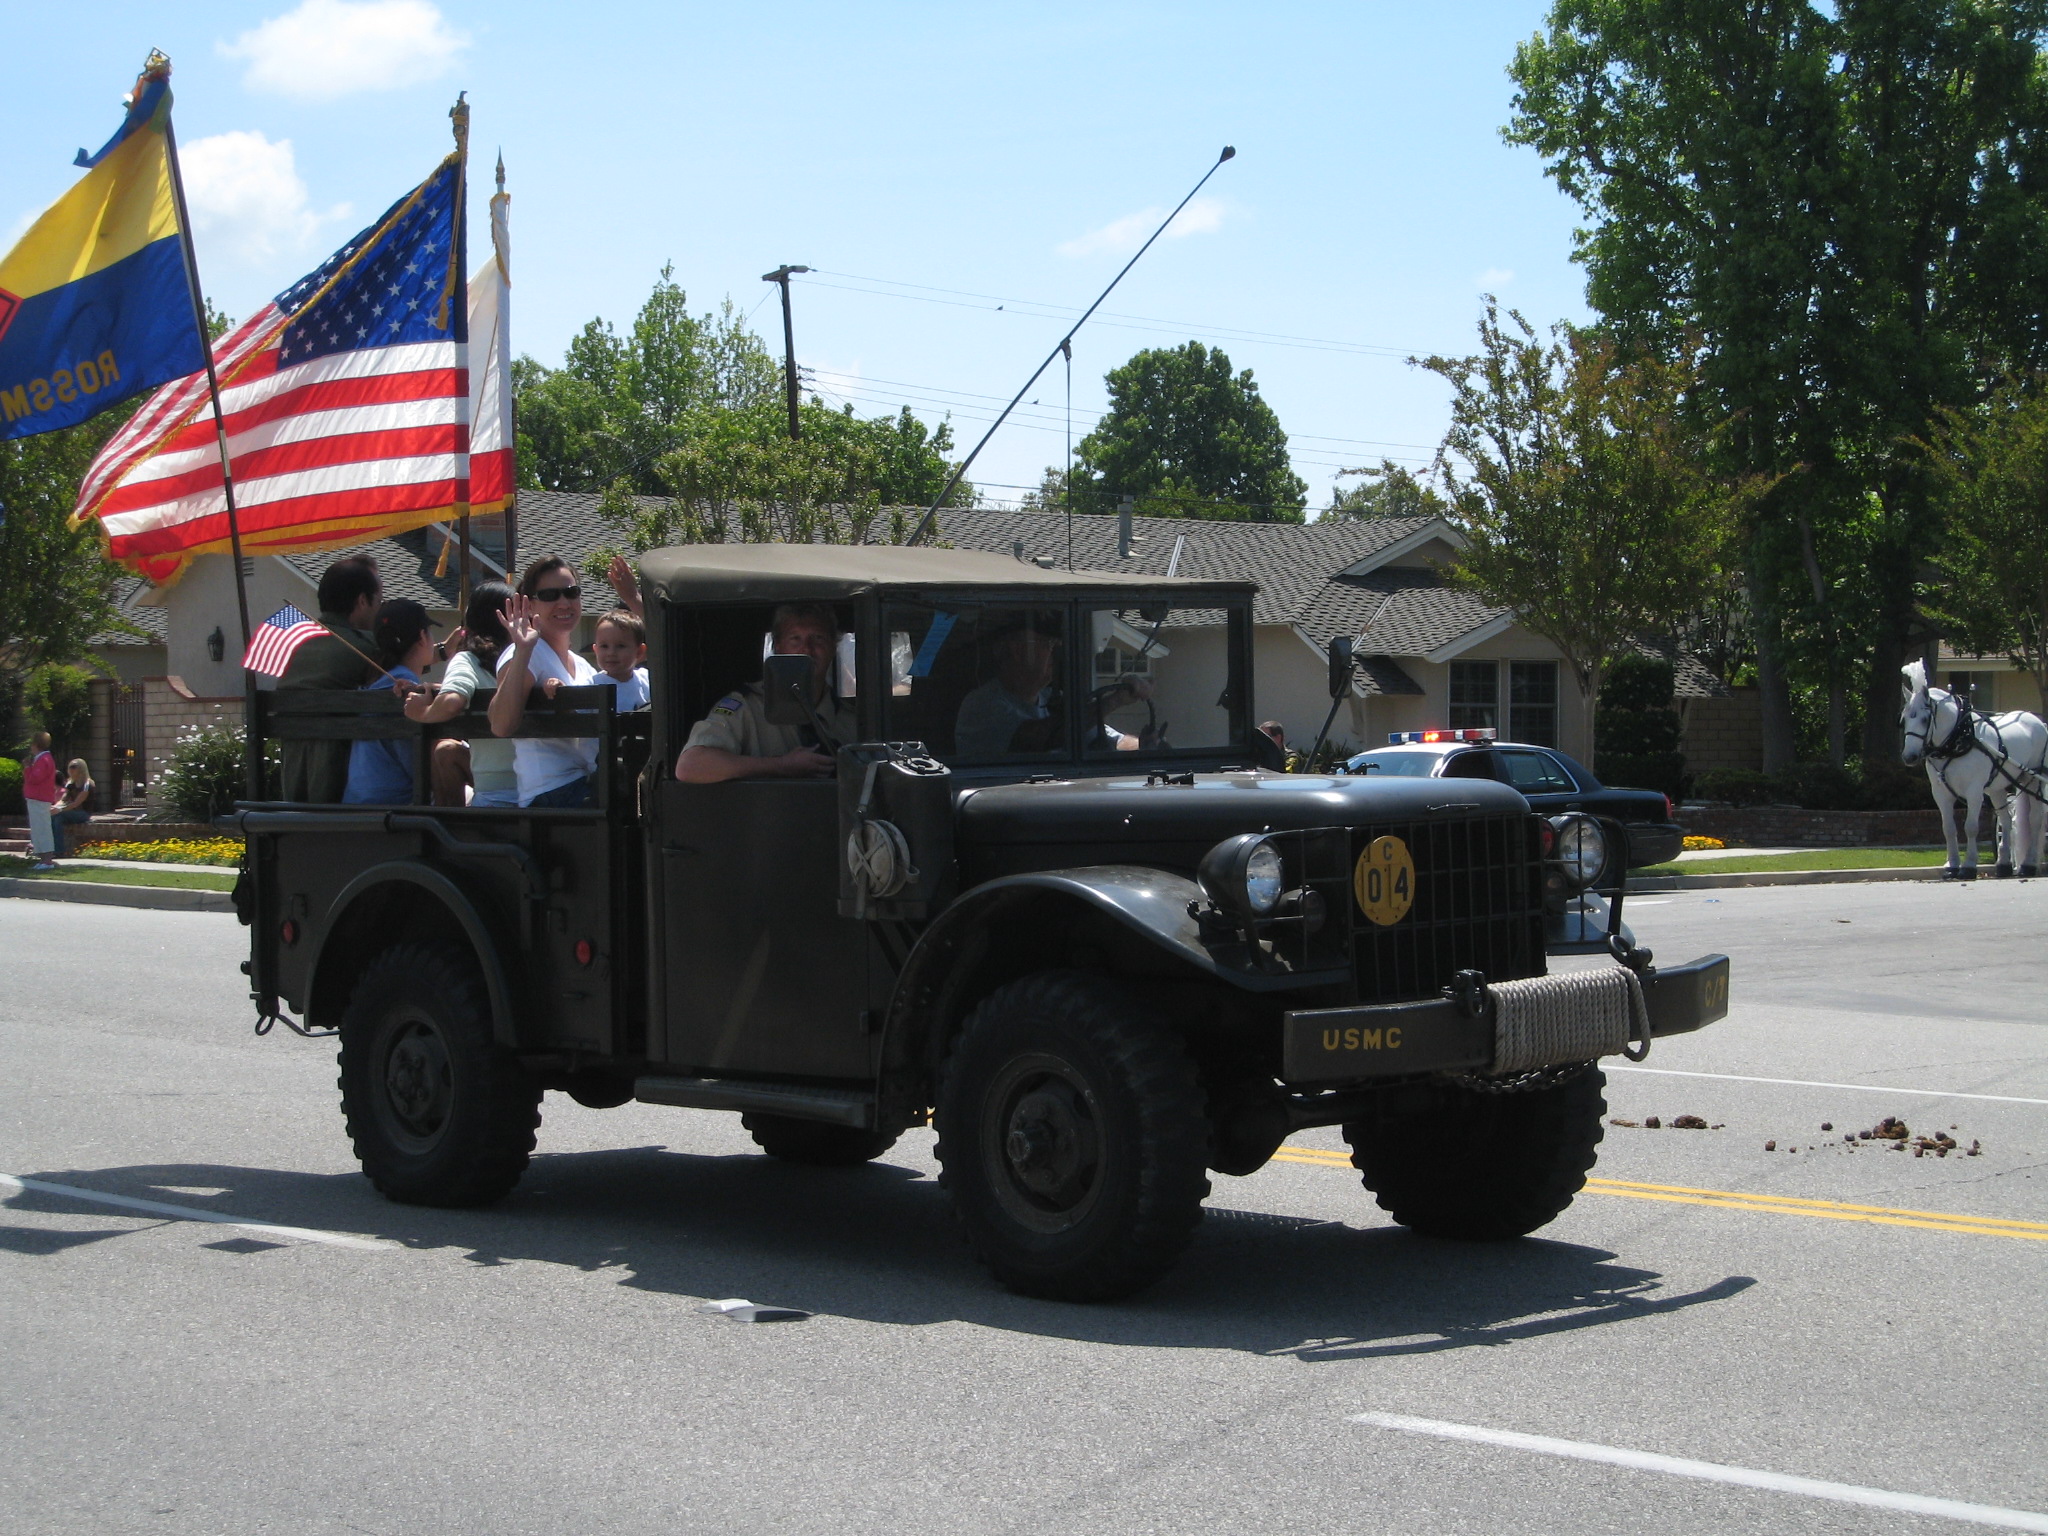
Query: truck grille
x=1478, y=906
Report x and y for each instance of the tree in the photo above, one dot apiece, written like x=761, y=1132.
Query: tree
x=1188, y=438
x=740, y=478
x=1844, y=205
x=1586, y=497
x=57, y=589
x=1992, y=466
x=618, y=403
x=1388, y=491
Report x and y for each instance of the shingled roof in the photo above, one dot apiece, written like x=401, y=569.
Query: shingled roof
x=1395, y=612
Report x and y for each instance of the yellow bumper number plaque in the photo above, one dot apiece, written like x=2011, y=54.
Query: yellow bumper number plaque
x=1384, y=881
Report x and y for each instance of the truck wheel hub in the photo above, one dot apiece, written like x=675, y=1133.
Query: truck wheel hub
x=1045, y=1142
x=417, y=1083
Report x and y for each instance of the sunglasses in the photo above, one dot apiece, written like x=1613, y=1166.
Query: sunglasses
x=556, y=594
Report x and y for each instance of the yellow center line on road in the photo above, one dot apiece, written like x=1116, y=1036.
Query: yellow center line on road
x=1774, y=1205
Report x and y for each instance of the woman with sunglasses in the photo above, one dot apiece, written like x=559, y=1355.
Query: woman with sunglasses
x=552, y=771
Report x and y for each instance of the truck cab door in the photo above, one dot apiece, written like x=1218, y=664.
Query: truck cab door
x=761, y=974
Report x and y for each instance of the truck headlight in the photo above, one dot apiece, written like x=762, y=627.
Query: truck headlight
x=1243, y=874
x=1580, y=847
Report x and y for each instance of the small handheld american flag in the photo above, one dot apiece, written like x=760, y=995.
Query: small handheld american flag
x=277, y=637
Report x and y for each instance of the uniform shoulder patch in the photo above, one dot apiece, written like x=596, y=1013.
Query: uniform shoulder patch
x=729, y=705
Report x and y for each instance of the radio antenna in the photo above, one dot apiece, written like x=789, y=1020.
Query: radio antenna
x=925, y=522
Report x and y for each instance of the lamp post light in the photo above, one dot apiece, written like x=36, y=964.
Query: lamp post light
x=780, y=277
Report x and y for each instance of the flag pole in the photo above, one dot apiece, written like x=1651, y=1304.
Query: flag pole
x=252, y=747
x=458, y=115
x=220, y=430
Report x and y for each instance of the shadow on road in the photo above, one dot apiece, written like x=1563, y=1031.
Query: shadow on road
x=877, y=1243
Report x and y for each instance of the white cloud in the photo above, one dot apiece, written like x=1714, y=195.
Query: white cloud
x=1493, y=278
x=331, y=48
x=1203, y=216
x=247, y=198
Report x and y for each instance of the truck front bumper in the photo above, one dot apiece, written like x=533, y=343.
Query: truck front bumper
x=1324, y=1046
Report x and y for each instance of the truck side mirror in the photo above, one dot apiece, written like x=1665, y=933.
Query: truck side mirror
x=785, y=688
x=1340, y=666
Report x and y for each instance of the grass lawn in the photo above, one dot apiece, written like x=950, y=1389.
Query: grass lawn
x=1818, y=858
x=178, y=879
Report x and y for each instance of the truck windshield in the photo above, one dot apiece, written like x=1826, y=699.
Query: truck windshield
x=1161, y=679
x=979, y=682
x=995, y=682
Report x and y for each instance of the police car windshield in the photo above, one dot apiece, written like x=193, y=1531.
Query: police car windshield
x=1401, y=765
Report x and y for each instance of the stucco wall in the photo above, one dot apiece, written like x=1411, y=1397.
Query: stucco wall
x=204, y=599
x=169, y=715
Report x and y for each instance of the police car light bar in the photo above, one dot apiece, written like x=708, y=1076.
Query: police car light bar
x=1402, y=738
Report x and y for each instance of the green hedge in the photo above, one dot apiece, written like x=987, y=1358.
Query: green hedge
x=11, y=802
x=1881, y=786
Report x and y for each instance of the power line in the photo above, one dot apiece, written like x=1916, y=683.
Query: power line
x=1135, y=322
x=931, y=391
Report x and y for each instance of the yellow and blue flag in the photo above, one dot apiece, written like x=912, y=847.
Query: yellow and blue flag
x=94, y=302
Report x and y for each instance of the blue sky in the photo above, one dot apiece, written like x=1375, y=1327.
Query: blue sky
x=919, y=156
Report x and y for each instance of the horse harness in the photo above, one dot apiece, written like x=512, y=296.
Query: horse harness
x=1963, y=739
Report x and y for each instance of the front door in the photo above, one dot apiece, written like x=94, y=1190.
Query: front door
x=763, y=976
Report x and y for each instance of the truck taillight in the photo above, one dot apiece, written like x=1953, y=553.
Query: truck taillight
x=585, y=952
x=288, y=931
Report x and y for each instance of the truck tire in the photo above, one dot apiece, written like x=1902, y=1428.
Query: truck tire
x=440, y=1114
x=1481, y=1162
x=815, y=1143
x=1072, y=1137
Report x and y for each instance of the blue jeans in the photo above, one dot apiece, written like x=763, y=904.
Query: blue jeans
x=575, y=795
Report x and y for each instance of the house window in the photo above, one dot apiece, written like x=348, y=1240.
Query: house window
x=1532, y=702
x=1475, y=695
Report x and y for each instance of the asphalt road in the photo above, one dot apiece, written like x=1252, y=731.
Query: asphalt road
x=544, y=1366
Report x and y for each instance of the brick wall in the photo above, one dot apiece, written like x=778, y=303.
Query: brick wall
x=170, y=714
x=1722, y=733
x=1788, y=827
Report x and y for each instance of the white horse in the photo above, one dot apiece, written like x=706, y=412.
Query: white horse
x=1973, y=757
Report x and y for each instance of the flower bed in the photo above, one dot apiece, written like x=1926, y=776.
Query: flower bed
x=225, y=851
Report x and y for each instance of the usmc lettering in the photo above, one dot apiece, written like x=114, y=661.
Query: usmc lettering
x=1362, y=1039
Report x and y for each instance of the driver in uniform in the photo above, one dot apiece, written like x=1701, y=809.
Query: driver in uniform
x=738, y=741
x=1017, y=710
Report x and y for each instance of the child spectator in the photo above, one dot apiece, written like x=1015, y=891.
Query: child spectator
x=381, y=772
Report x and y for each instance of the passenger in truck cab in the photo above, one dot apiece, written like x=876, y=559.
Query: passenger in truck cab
x=736, y=740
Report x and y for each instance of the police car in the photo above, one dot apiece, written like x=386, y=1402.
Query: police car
x=1550, y=780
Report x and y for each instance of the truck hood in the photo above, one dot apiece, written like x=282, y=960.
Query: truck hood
x=1125, y=810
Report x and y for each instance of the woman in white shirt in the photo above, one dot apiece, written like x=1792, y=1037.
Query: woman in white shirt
x=553, y=772
x=478, y=773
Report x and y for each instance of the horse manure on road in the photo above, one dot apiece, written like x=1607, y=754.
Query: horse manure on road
x=1678, y=1123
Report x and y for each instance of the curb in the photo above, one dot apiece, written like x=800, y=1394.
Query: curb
x=1782, y=877
x=159, y=898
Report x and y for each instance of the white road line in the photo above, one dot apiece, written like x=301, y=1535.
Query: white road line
x=193, y=1213
x=1714, y=1472
x=1800, y=1082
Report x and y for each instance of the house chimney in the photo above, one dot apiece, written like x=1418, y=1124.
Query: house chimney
x=1123, y=529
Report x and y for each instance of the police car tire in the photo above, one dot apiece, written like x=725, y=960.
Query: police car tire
x=814, y=1143
x=429, y=1001
x=1448, y=1160
x=1148, y=1122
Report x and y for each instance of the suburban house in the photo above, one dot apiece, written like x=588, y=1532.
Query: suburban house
x=1430, y=654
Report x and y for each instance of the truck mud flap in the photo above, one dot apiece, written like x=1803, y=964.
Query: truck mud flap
x=1337, y=1045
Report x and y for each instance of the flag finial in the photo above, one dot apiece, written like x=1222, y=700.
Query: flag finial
x=459, y=116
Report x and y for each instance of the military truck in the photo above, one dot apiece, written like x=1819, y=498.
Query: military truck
x=1104, y=952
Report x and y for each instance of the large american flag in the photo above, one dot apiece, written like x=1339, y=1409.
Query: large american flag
x=346, y=401
x=276, y=638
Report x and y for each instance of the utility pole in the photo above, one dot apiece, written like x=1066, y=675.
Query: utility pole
x=780, y=277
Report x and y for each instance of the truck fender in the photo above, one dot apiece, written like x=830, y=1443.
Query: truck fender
x=504, y=1022
x=1148, y=902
